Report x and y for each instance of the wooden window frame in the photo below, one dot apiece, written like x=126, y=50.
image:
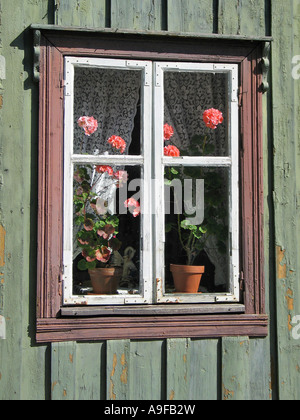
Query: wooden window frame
x=58, y=323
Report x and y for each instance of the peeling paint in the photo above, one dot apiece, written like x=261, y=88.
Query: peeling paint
x=172, y=395
x=281, y=268
x=2, y=67
x=290, y=300
x=2, y=246
x=112, y=395
x=125, y=369
x=2, y=328
x=71, y=357
x=227, y=393
x=290, y=327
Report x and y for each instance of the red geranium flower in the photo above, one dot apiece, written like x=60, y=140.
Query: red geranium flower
x=106, y=232
x=212, y=117
x=121, y=177
x=117, y=143
x=103, y=254
x=171, y=151
x=90, y=124
x=168, y=131
x=134, y=206
x=105, y=168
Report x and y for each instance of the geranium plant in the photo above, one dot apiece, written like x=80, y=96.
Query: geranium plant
x=98, y=229
x=192, y=238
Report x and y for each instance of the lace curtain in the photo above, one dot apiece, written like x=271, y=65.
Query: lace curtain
x=110, y=96
x=187, y=96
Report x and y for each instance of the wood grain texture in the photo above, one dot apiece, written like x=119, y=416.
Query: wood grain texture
x=286, y=146
x=242, y=17
x=137, y=14
x=191, y=16
x=84, y=13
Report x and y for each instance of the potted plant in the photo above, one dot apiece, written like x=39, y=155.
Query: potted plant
x=97, y=228
x=192, y=237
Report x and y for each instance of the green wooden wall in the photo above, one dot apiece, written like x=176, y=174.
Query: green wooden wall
x=227, y=368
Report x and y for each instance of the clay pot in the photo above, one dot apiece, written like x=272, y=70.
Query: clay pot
x=187, y=278
x=105, y=281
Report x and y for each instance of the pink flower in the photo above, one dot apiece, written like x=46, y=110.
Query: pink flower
x=212, y=117
x=89, y=124
x=105, y=168
x=106, y=232
x=88, y=225
x=88, y=257
x=134, y=206
x=122, y=177
x=78, y=177
x=103, y=254
x=168, y=131
x=117, y=143
x=171, y=151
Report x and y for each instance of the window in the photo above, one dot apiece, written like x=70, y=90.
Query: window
x=119, y=93
x=150, y=181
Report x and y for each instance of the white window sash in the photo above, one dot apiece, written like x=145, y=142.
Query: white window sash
x=232, y=162
x=70, y=159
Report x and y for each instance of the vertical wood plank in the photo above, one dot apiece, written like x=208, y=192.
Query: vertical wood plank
x=260, y=370
x=204, y=381
x=178, y=369
x=193, y=369
x=236, y=368
x=77, y=371
x=90, y=371
x=117, y=370
x=242, y=17
x=84, y=13
x=191, y=16
x=285, y=95
x=137, y=14
x=147, y=364
x=63, y=359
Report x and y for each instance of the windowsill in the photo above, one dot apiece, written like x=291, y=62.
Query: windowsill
x=146, y=326
x=168, y=309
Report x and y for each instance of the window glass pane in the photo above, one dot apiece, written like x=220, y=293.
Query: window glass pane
x=187, y=95
x=112, y=98
x=107, y=226
x=197, y=224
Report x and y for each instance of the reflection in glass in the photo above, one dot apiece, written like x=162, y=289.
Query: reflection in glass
x=187, y=96
x=106, y=226
x=197, y=224
x=112, y=98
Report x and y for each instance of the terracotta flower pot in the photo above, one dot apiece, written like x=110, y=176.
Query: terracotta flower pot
x=187, y=278
x=105, y=281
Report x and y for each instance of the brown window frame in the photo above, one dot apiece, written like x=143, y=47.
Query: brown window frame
x=58, y=323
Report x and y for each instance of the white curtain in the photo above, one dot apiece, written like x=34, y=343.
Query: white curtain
x=110, y=96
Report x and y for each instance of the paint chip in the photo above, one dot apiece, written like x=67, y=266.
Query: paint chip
x=2, y=328
x=281, y=268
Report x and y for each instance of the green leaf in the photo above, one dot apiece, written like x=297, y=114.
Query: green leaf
x=82, y=265
x=202, y=230
x=91, y=265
